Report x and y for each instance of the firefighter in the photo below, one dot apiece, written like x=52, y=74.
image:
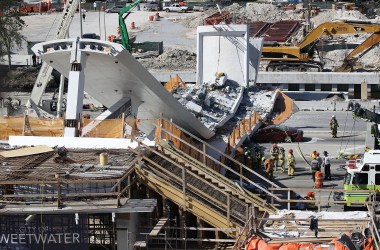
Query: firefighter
x=257, y=157
x=310, y=196
x=248, y=157
x=281, y=158
x=274, y=152
x=268, y=165
x=291, y=162
x=314, y=155
x=334, y=126
x=314, y=168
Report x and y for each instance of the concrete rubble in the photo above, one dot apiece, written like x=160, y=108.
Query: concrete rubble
x=211, y=102
x=172, y=59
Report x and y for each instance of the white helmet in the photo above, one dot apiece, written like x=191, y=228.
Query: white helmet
x=333, y=116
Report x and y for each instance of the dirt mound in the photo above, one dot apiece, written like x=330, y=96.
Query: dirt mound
x=172, y=59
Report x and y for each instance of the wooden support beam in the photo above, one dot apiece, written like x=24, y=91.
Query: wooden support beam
x=158, y=227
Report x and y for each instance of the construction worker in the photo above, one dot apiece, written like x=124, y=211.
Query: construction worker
x=281, y=159
x=327, y=165
x=274, y=152
x=269, y=165
x=320, y=160
x=334, y=126
x=291, y=162
x=314, y=168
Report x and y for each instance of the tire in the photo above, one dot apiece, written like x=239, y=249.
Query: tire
x=288, y=139
x=167, y=10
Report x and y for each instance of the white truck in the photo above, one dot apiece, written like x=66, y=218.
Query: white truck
x=175, y=7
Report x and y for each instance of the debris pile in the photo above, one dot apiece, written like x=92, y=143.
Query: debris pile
x=213, y=103
x=371, y=60
x=253, y=12
x=255, y=99
x=329, y=15
x=172, y=59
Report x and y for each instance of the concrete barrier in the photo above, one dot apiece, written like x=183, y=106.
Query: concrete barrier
x=331, y=105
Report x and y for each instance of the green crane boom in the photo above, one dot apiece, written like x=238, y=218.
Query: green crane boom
x=123, y=14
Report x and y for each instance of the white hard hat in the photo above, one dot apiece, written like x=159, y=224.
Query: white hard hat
x=333, y=116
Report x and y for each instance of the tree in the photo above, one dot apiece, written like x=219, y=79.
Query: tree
x=11, y=26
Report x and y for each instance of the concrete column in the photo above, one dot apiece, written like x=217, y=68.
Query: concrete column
x=126, y=229
x=369, y=91
x=302, y=87
x=364, y=90
x=351, y=91
x=74, y=105
x=75, y=93
x=334, y=88
x=318, y=87
x=60, y=94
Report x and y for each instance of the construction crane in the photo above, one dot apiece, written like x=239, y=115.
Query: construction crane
x=45, y=71
x=300, y=57
x=123, y=14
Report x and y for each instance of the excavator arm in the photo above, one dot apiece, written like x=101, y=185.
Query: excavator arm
x=360, y=50
x=303, y=52
x=338, y=28
x=123, y=14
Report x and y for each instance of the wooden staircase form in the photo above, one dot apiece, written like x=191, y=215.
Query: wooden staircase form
x=206, y=194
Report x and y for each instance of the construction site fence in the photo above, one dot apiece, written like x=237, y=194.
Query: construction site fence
x=32, y=126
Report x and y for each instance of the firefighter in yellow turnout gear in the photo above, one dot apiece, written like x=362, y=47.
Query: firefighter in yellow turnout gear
x=281, y=159
x=274, y=152
x=334, y=126
x=291, y=162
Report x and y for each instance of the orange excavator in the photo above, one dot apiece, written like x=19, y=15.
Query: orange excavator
x=300, y=57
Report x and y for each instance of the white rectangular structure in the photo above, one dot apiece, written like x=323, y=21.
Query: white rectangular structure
x=223, y=48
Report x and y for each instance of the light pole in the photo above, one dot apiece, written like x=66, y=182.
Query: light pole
x=80, y=19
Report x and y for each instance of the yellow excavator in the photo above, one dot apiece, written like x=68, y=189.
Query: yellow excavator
x=300, y=57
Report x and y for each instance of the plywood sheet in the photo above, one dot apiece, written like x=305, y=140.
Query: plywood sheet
x=26, y=151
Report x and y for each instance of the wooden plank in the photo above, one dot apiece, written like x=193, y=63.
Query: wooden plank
x=26, y=151
x=160, y=224
x=140, y=244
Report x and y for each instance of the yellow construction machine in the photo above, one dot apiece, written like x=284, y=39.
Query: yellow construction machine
x=283, y=57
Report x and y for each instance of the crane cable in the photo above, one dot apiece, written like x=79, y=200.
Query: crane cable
x=51, y=26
